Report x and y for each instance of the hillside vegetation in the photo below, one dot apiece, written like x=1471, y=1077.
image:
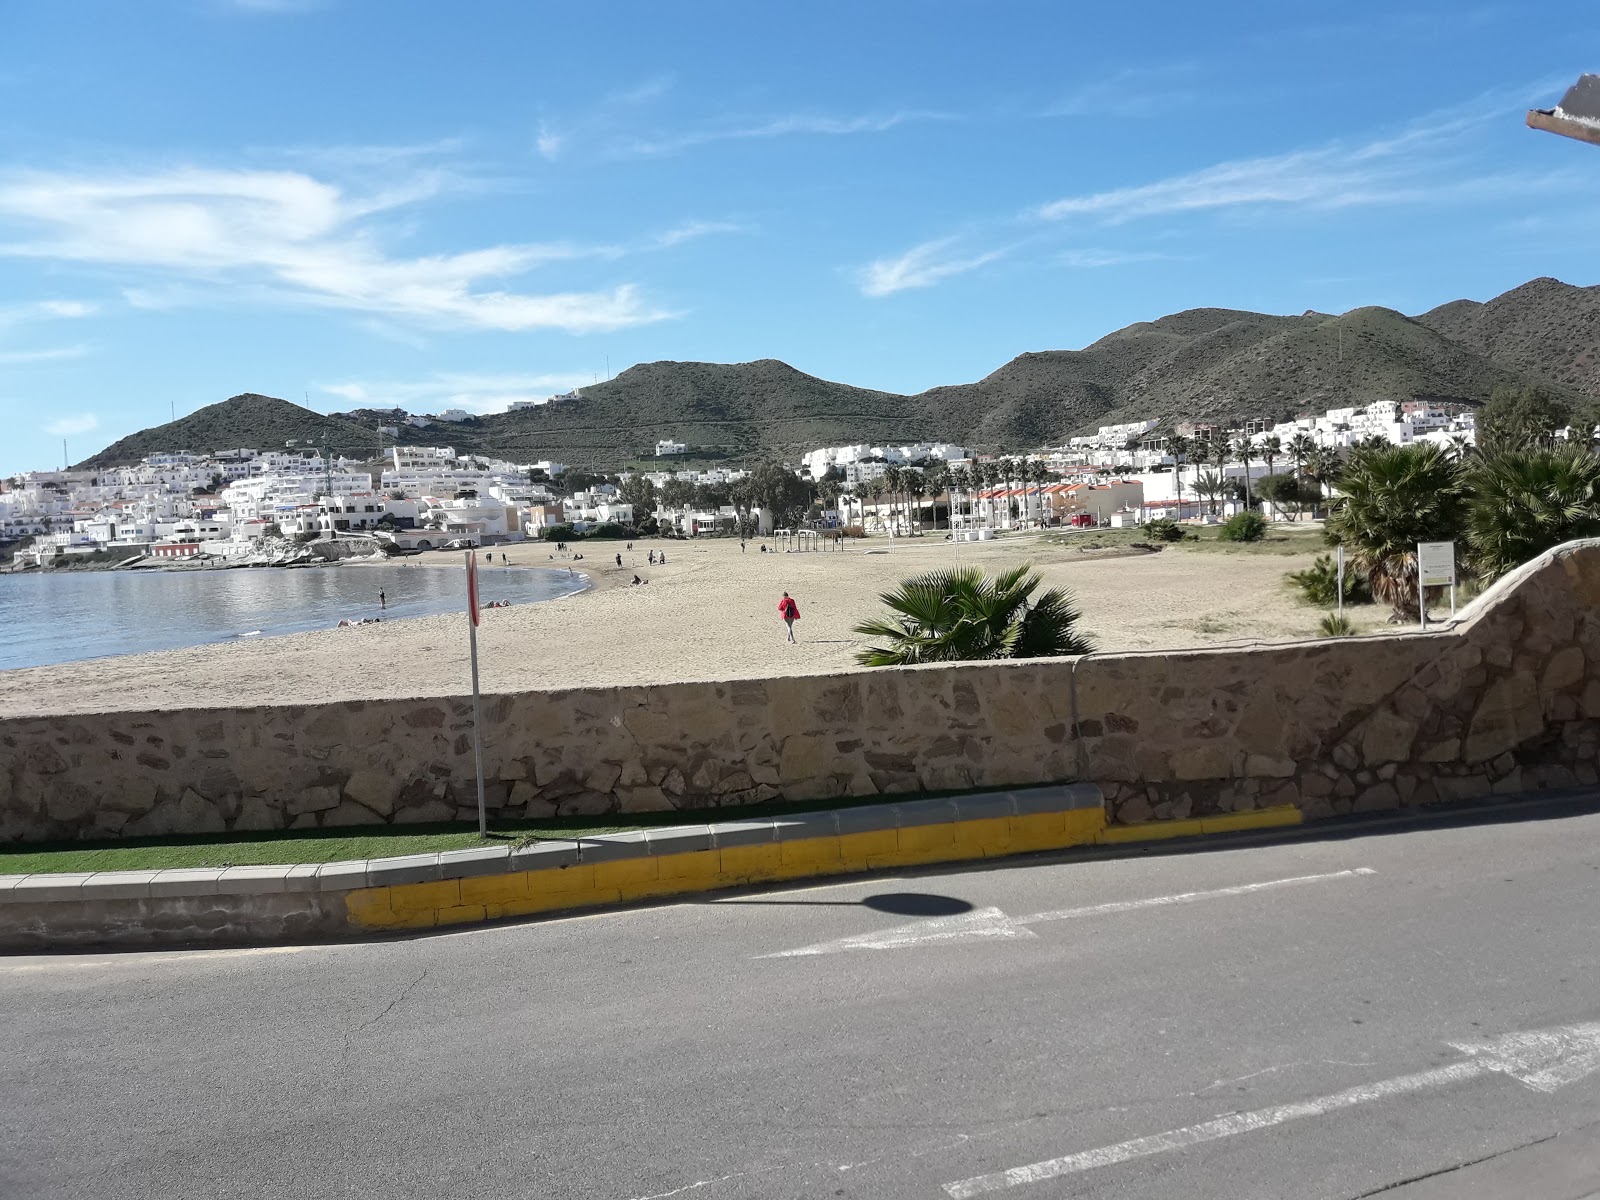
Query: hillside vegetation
x=252, y=421
x=1208, y=364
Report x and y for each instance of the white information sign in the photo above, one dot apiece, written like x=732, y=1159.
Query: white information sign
x=1436, y=564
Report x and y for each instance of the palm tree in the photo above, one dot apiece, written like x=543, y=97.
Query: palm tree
x=1301, y=447
x=1392, y=499
x=1040, y=475
x=936, y=480
x=1245, y=449
x=1526, y=501
x=1271, y=447
x=1211, y=487
x=893, y=478
x=966, y=615
x=916, y=485
x=1008, y=471
x=1323, y=464
x=1179, y=447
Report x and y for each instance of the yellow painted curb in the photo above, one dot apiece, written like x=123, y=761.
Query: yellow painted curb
x=525, y=893
x=589, y=885
x=1148, y=831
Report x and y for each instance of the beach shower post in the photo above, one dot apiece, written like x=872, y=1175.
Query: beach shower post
x=477, y=707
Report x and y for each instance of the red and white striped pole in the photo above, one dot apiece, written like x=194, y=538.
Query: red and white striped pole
x=477, y=708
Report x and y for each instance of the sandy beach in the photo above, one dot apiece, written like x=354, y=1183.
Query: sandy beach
x=709, y=613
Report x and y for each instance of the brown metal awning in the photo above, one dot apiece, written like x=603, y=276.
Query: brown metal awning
x=1578, y=114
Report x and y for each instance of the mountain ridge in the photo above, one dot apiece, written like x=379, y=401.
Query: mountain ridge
x=1203, y=364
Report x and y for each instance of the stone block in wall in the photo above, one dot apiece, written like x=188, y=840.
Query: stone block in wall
x=1508, y=714
x=804, y=756
x=256, y=814
x=1461, y=787
x=1386, y=737
x=1264, y=766
x=1564, y=670
x=430, y=812
x=196, y=814
x=313, y=800
x=68, y=802
x=348, y=812
x=644, y=798
x=374, y=789
x=1203, y=760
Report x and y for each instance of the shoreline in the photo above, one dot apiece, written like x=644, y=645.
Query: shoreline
x=709, y=614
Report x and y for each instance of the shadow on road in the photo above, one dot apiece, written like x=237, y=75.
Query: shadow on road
x=906, y=904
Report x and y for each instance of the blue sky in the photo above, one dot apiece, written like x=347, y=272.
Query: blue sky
x=387, y=201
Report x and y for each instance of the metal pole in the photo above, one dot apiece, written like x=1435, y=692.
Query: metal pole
x=1422, y=592
x=1340, y=553
x=477, y=705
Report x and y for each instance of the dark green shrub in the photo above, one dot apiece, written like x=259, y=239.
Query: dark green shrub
x=1163, y=529
x=1336, y=625
x=560, y=533
x=1319, y=583
x=1243, y=527
x=609, y=530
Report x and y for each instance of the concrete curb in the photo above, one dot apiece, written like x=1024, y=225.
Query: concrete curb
x=269, y=904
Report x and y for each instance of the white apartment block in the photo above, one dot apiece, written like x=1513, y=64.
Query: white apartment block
x=415, y=458
x=817, y=462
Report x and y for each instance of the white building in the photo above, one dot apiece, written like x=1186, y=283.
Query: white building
x=817, y=462
x=666, y=448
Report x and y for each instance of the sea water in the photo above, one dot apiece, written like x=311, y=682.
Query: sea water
x=55, y=617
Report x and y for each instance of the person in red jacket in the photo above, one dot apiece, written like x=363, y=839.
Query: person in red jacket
x=790, y=612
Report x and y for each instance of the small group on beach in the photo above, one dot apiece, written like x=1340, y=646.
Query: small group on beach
x=658, y=559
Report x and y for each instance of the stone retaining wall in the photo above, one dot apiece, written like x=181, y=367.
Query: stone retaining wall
x=1505, y=701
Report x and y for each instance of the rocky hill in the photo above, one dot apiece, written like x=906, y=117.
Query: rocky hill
x=250, y=420
x=1544, y=329
x=1217, y=364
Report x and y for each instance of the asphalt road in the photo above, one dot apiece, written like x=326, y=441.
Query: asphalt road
x=1147, y=1028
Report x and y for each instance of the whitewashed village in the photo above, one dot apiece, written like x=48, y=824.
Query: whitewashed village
x=296, y=504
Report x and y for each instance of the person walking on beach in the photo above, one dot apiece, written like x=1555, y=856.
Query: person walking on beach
x=790, y=612
x=619, y=560
x=383, y=601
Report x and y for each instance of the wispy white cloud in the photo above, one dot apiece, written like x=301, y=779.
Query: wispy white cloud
x=1091, y=259
x=300, y=239
x=549, y=142
x=1426, y=160
x=1128, y=92
x=47, y=310
x=776, y=127
x=645, y=91
x=478, y=393
x=691, y=231
x=1438, y=158
x=68, y=308
x=9, y=358
x=922, y=266
x=73, y=425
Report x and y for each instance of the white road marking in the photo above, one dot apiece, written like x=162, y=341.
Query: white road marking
x=984, y=924
x=64, y=963
x=1243, y=889
x=989, y=923
x=1543, y=1060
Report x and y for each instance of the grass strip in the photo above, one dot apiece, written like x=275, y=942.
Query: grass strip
x=288, y=847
